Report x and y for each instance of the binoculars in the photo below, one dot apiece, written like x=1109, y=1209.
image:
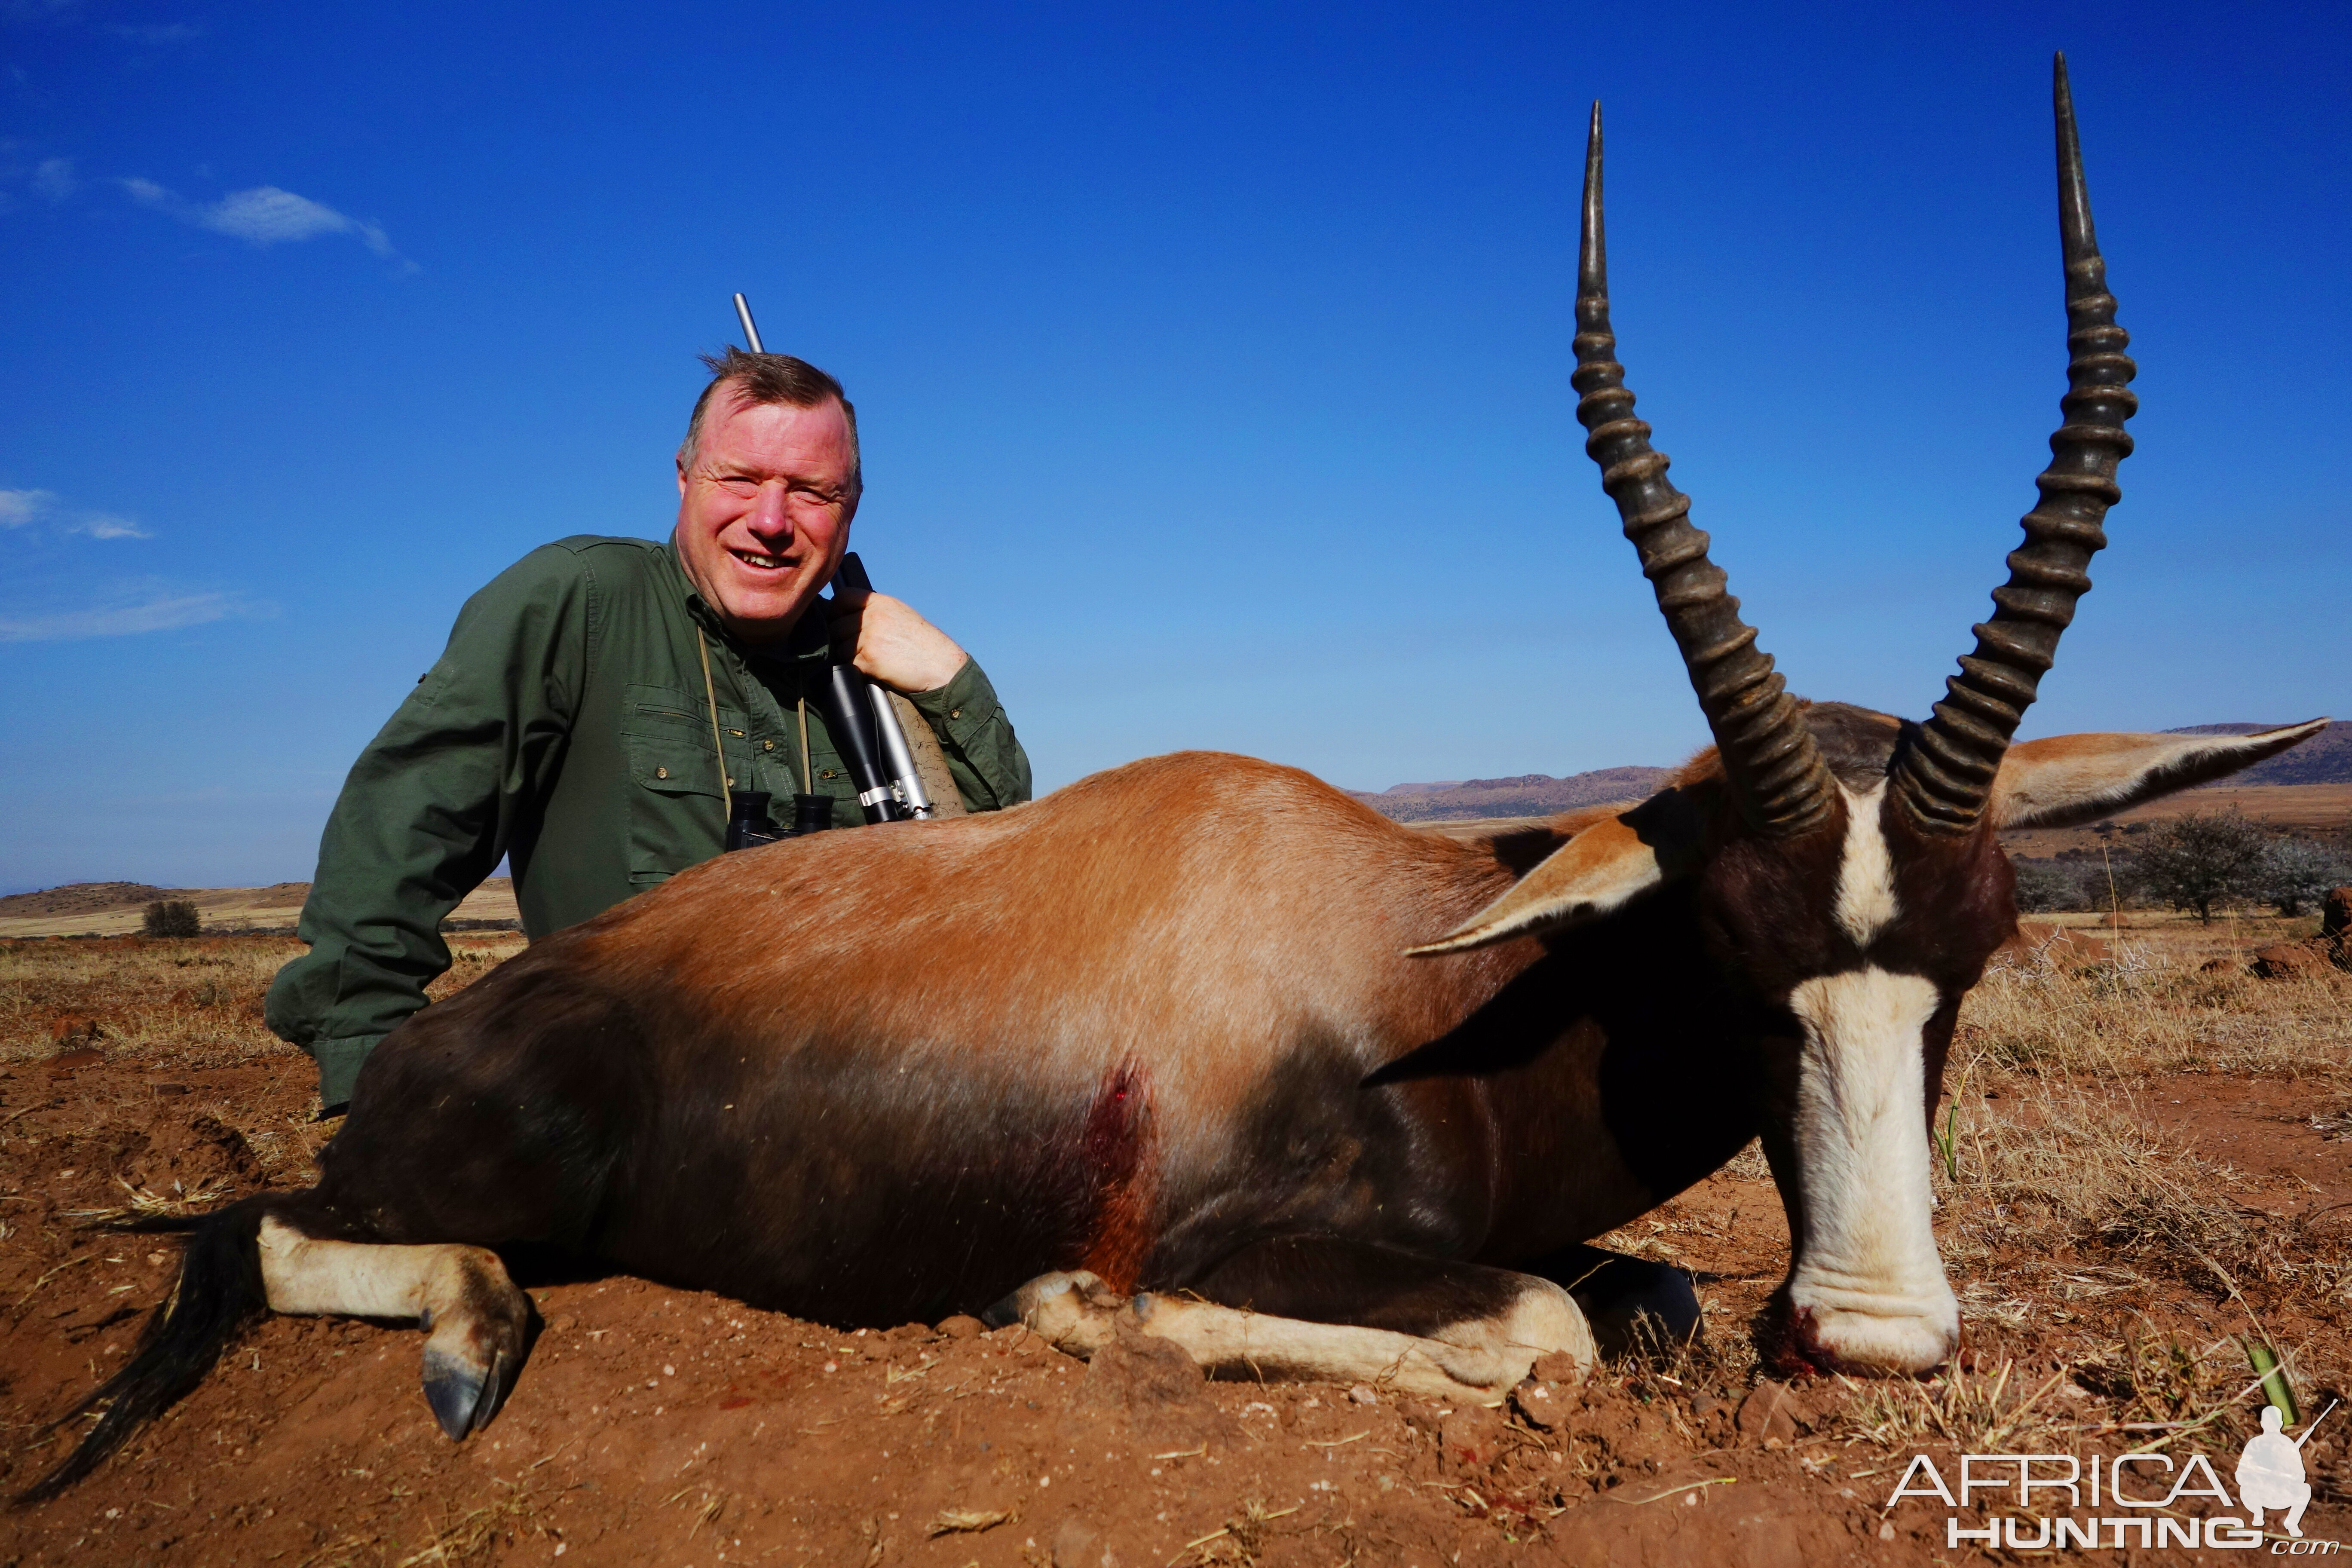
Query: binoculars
x=748, y=825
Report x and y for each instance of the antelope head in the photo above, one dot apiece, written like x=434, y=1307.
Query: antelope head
x=1847, y=870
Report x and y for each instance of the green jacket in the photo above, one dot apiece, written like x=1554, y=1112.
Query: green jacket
x=566, y=729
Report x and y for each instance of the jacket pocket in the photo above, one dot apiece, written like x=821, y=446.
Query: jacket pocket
x=677, y=806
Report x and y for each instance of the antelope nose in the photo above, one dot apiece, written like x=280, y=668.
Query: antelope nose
x=1827, y=1339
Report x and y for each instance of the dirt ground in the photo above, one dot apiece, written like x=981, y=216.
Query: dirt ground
x=2145, y=1161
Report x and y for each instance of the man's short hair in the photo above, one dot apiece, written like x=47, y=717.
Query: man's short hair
x=770, y=378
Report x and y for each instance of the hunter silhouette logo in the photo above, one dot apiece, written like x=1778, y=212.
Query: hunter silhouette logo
x=2270, y=1472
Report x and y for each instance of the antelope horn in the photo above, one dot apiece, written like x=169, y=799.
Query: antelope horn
x=1775, y=769
x=1945, y=779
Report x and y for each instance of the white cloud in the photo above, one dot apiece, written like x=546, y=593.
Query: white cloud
x=105, y=525
x=18, y=508
x=267, y=215
x=21, y=509
x=264, y=216
x=158, y=613
x=54, y=178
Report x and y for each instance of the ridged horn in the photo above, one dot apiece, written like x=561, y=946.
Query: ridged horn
x=1775, y=769
x=1945, y=780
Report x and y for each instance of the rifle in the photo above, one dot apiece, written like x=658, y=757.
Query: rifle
x=858, y=713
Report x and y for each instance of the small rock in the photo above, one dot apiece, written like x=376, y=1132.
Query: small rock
x=1422, y=1418
x=1886, y=1531
x=963, y=1326
x=74, y=1030
x=2292, y=961
x=1540, y=1406
x=1362, y=1394
x=1705, y=1405
x=1136, y=1368
x=1079, y=1544
x=1471, y=1437
x=1561, y=1367
x=1767, y=1413
x=1157, y=1389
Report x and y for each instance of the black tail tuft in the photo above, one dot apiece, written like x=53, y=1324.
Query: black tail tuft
x=219, y=1292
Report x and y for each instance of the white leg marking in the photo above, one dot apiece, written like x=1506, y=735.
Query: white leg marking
x=1479, y=1360
x=1868, y=1272
x=307, y=1278
x=1866, y=893
x=475, y=1316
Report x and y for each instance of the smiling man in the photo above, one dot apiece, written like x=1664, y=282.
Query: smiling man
x=568, y=726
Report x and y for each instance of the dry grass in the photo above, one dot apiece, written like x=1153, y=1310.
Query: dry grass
x=2050, y=1143
x=196, y=1001
x=199, y=999
x=2004, y=1410
x=2157, y=1009
x=176, y=1009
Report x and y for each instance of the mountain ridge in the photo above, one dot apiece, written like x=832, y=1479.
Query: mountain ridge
x=2326, y=758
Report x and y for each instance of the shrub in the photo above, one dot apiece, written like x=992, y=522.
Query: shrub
x=171, y=917
x=2044, y=886
x=2201, y=859
x=2296, y=874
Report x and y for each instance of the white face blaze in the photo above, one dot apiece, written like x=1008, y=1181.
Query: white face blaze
x=1868, y=1288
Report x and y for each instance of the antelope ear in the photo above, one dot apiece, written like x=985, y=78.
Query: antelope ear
x=1601, y=869
x=2068, y=780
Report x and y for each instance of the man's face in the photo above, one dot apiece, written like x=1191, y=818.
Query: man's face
x=763, y=513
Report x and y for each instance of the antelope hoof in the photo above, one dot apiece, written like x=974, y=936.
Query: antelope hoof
x=1075, y=1312
x=473, y=1348
x=465, y=1394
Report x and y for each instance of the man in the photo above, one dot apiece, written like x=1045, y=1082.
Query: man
x=569, y=724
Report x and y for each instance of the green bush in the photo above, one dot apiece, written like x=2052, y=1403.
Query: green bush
x=2201, y=859
x=171, y=917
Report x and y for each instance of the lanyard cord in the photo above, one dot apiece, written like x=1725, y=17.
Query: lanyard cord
x=726, y=784
x=808, y=779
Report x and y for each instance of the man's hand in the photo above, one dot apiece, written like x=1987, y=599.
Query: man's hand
x=896, y=645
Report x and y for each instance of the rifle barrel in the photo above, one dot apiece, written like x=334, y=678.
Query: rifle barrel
x=750, y=332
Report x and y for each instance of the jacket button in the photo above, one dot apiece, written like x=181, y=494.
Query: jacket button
x=767, y=745
x=955, y=713
x=661, y=773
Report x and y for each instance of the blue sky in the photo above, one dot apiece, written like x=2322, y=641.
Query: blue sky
x=1212, y=362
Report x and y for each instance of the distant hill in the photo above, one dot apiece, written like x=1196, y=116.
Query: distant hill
x=84, y=898
x=1528, y=794
x=2326, y=758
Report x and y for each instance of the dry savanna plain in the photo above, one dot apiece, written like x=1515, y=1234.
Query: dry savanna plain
x=2144, y=1167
